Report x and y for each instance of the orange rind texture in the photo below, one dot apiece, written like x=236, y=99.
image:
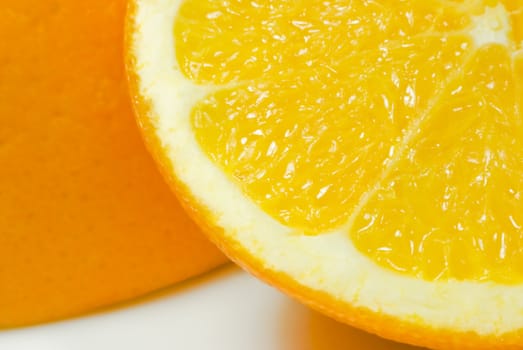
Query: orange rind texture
x=86, y=220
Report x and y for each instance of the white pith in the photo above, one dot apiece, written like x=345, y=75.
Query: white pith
x=326, y=262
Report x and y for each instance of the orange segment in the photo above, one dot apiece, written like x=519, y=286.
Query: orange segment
x=85, y=218
x=218, y=42
x=459, y=187
x=257, y=148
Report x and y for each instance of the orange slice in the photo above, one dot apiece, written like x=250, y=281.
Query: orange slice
x=85, y=218
x=364, y=156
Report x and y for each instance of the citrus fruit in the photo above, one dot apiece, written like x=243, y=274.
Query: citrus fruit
x=363, y=156
x=85, y=218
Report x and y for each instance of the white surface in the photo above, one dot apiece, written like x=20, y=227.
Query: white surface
x=227, y=310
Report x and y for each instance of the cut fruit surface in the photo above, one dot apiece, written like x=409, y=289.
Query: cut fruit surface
x=85, y=218
x=339, y=148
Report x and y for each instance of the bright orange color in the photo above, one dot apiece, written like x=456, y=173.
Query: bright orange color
x=282, y=79
x=345, y=123
x=85, y=218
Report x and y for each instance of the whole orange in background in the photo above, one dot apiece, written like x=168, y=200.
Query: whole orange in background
x=85, y=219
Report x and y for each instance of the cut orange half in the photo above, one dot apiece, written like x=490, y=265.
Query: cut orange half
x=363, y=156
x=85, y=218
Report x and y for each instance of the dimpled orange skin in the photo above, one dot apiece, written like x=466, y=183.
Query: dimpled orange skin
x=85, y=218
x=410, y=332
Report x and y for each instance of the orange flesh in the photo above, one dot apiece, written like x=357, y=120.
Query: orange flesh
x=85, y=218
x=382, y=118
